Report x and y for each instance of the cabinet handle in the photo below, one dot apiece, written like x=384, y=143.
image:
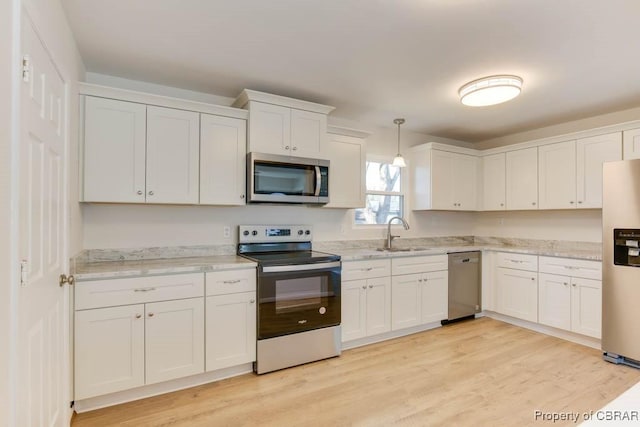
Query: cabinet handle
x=364, y=287
x=231, y=282
x=501, y=204
x=150, y=314
x=579, y=202
x=138, y=316
x=573, y=284
x=139, y=192
x=294, y=148
x=286, y=147
x=144, y=289
x=367, y=269
x=565, y=283
x=252, y=301
x=242, y=196
x=571, y=202
x=419, y=280
x=151, y=193
x=370, y=286
x=533, y=278
x=533, y=203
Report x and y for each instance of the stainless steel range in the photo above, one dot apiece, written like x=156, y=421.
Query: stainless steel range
x=298, y=296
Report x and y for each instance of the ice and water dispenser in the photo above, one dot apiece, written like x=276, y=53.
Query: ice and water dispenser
x=626, y=247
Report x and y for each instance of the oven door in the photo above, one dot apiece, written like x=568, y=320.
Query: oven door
x=297, y=298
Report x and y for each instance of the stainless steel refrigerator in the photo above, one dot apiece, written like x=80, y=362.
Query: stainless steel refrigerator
x=621, y=262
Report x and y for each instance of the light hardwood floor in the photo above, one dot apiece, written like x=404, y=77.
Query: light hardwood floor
x=476, y=373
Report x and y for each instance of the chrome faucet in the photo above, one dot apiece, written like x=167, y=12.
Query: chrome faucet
x=390, y=237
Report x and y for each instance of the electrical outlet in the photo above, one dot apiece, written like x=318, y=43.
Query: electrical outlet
x=227, y=232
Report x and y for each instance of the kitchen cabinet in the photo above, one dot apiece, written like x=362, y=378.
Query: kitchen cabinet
x=570, y=173
x=517, y=285
x=419, y=290
x=223, y=162
x=494, y=182
x=557, y=175
x=138, y=153
x=347, y=155
x=522, y=179
x=571, y=295
x=230, y=318
x=365, y=298
x=285, y=126
x=444, y=180
x=135, y=331
x=631, y=144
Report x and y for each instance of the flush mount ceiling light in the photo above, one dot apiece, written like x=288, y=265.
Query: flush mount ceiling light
x=490, y=90
x=398, y=160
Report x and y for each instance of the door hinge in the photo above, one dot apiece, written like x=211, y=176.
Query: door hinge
x=24, y=273
x=72, y=404
x=26, y=68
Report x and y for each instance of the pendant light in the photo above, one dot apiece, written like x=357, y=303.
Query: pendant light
x=399, y=160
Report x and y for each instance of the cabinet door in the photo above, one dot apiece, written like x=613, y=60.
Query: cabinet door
x=557, y=175
x=442, y=183
x=586, y=307
x=114, y=151
x=347, y=173
x=494, y=182
x=631, y=144
x=465, y=178
x=554, y=301
x=378, y=305
x=174, y=339
x=591, y=154
x=434, y=296
x=223, y=162
x=109, y=350
x=269, y=128
x=405, y=301
x=522, y=179
x=231, y=330
x=173, y=146
x=353, y=305
x=518, y=293
x=308, y=133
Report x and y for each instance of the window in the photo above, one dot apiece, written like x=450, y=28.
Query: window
x=384, y=198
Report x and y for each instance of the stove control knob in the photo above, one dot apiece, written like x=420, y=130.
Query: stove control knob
x=254, y=233
x=322, y=310
x=307, y=232
x=300, y=232
x=245, y=232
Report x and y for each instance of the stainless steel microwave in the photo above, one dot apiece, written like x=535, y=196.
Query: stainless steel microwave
x=284, y=179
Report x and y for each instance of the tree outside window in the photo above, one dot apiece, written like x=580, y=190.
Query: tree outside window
x=384, y=198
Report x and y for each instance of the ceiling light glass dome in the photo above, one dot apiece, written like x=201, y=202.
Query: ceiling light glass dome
x=490, y=90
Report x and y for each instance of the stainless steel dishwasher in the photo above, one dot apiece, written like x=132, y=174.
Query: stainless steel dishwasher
x=464, y=285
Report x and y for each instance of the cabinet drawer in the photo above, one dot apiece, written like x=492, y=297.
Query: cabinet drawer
x=571, y=267
x=419, y=264
x=354, y=270
x=107, y=293
x=518, y=261
x=231, y=281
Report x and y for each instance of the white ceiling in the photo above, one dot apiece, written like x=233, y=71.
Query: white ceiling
x=375, y=60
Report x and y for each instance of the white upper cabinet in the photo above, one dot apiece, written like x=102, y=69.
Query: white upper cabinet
x=522, y=179
x=223, y=148
x=557, y=175
x=347, y=155
x=591, y=153
x=114, y=151
x=286, y=126
x=494, y=182
x=444, y=180
x=173, y=144
x=631, y=144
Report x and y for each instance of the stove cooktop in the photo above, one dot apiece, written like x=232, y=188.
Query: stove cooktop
x=290, y=257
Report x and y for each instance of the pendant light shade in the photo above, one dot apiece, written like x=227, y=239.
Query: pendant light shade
x=398, y=160
x=490, y=90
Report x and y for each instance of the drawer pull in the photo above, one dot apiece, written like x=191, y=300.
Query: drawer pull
x=366, y=269
x=144, y=289
x=231, y=282
x=516, y=261
x=150, y=314
x=138, y=316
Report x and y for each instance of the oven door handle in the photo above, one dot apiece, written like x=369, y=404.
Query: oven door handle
x=318, y=181
x=301, y=267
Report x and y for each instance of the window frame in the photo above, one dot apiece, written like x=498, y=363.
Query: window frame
x=402, y=193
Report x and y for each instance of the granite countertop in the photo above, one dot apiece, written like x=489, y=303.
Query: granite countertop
x=96, y=264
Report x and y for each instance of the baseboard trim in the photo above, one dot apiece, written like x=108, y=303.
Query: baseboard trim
x=160, y=388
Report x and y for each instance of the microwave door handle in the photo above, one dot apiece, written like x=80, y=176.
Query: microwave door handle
x=318, y=181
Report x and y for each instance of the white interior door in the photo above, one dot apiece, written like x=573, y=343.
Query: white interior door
x=43, y=361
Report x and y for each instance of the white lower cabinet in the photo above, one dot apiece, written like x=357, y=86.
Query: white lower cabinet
x=365, y=298
x=119, y=345
x=231, y=318
x=517, y=293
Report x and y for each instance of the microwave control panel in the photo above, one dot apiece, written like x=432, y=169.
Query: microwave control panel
x=274, y=233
